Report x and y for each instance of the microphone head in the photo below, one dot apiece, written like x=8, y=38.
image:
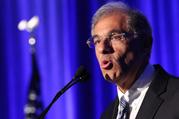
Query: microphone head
x=81, y=74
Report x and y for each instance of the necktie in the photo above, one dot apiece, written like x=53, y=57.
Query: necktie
x=124, y=109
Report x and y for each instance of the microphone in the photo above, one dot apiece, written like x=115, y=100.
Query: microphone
x=80, y=75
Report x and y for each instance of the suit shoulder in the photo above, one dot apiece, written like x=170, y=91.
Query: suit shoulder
x=173, y=83
x=172, y=87
x=165, y=75
x=164, y=80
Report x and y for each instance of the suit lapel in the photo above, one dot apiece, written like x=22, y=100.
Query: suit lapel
x=115, y=109
x=152, y=100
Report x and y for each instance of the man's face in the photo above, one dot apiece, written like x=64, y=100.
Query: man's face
x=116, y=56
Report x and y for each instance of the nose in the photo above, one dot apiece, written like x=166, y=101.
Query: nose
x=105, y=47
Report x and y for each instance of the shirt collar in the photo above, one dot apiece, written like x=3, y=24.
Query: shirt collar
x=141, y=83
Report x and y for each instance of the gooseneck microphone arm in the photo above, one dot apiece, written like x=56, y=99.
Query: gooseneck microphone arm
x=81, y=75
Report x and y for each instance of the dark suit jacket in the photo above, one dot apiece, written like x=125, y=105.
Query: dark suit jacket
x=160, y=102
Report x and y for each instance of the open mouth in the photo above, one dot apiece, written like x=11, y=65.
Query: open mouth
x=106, y=64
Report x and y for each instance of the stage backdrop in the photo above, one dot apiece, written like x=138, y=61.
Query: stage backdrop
x=61, y=35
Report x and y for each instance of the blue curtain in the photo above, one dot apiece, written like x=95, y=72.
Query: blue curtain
x=61, y=35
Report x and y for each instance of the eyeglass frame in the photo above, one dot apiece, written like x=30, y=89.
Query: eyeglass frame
x=122, y=34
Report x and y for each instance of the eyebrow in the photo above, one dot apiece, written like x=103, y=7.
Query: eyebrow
x=115, y=31
x=110, y=32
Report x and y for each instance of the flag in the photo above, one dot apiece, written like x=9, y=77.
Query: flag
x=34, y=106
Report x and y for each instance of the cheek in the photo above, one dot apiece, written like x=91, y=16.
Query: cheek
x=129, y=57
x=123, y=57
x=120, y=50
x=97, y=55
x=120, y=45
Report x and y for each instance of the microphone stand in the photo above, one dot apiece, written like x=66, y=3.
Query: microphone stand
x=71, y=83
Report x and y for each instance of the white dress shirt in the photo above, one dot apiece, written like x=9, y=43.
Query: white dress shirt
x=136, y=93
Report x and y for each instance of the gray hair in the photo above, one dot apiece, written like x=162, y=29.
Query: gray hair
x=107, y=9
x=137, y=23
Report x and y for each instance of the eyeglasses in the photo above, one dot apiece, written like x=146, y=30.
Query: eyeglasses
x=93, y=41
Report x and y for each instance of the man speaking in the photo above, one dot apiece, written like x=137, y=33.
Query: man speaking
x=122, y=38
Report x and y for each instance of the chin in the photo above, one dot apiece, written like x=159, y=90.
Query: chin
x=111, y=77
